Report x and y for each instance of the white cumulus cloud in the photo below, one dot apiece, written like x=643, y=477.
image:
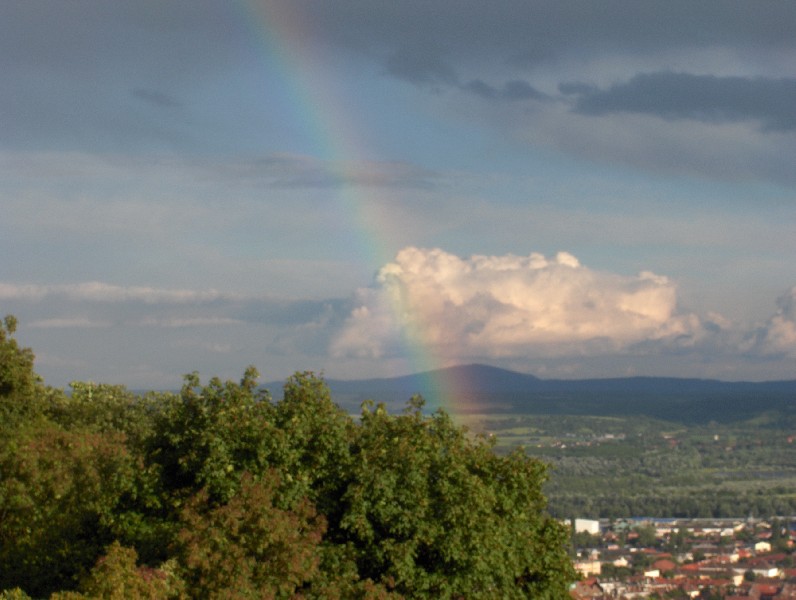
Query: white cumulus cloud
x=778, y=336
x=503, y=306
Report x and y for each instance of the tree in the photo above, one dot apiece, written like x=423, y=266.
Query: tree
x=19, y=383
x=102, y=408
x=647, y=536
x=116, y=576
x=59, y=496
x=229, y=491
x=206, y=437
x=249, y=547
x=315, y=452
x=435, y=513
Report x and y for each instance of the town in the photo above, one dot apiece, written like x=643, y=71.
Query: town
x=727, y=559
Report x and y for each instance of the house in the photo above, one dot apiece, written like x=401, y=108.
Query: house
x=762, y=546
x=664, y=565
x=587, y=589
x=621, y=562
x=653, y=573
x=787, y=592
x=766, y=570
x=588, y=567
x=763, y=590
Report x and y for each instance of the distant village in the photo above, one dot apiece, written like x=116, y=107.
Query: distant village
x=716, y=559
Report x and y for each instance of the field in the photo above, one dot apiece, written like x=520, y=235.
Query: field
x=613, y=466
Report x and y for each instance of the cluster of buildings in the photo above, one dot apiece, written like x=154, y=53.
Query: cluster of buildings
x=728, y=559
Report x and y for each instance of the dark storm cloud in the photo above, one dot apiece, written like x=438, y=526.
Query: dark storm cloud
x=426, y=39
x=147, y=75
x=527, y=32
x=51, y=52
x=700, y=97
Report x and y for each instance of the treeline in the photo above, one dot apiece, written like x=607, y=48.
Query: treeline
x=687, y=504
x=697, y=471
x=219, y=491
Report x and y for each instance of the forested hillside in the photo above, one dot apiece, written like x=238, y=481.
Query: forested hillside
x=218, y=491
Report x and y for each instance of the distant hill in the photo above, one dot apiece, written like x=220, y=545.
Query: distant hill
x=490, y=389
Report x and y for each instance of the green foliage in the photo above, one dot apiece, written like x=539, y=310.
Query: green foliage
x=101, y=408
x=59, y=496
x=315, y=452
x=437, y=514
x=219, y=492
x=410, y=502
x=584, y=539
x=19, y=383
x=208, y=436
x=116, y=576
x=646, y=536
x=14, y=594
x=248, y=546
x=662, y=468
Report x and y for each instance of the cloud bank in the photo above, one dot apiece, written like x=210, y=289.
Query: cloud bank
x=499, y=306
x=698, y=97
x=552, y=316
x=551, y=313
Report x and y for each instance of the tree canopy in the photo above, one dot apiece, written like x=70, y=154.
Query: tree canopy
x=220, y=491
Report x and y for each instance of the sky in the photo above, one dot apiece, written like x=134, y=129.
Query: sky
x=370, y=188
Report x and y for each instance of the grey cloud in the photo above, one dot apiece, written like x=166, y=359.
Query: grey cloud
x=420, y=68
x=86, y=310
x=521, y=90
x=55, y=305
x=430, y=71
x=511, y=90
x=777, y=337
x=425, y=40
x=89, y=36
x=293, y=312
x=156, y=98
x=576, y=87
x=479, y=88
x=69, y=66
x=75, y=73
x=787, y=305
x=700, y=97
x=527, y=32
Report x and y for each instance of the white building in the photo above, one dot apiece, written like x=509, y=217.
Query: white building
x=587, y=525
x=762, y=547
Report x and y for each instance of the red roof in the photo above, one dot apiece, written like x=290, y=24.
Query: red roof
x=764, y=589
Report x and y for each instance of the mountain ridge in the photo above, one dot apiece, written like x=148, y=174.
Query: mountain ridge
x=481, y=373
x=479, y=387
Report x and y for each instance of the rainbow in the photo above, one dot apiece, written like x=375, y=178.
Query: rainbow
x=317, y=108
